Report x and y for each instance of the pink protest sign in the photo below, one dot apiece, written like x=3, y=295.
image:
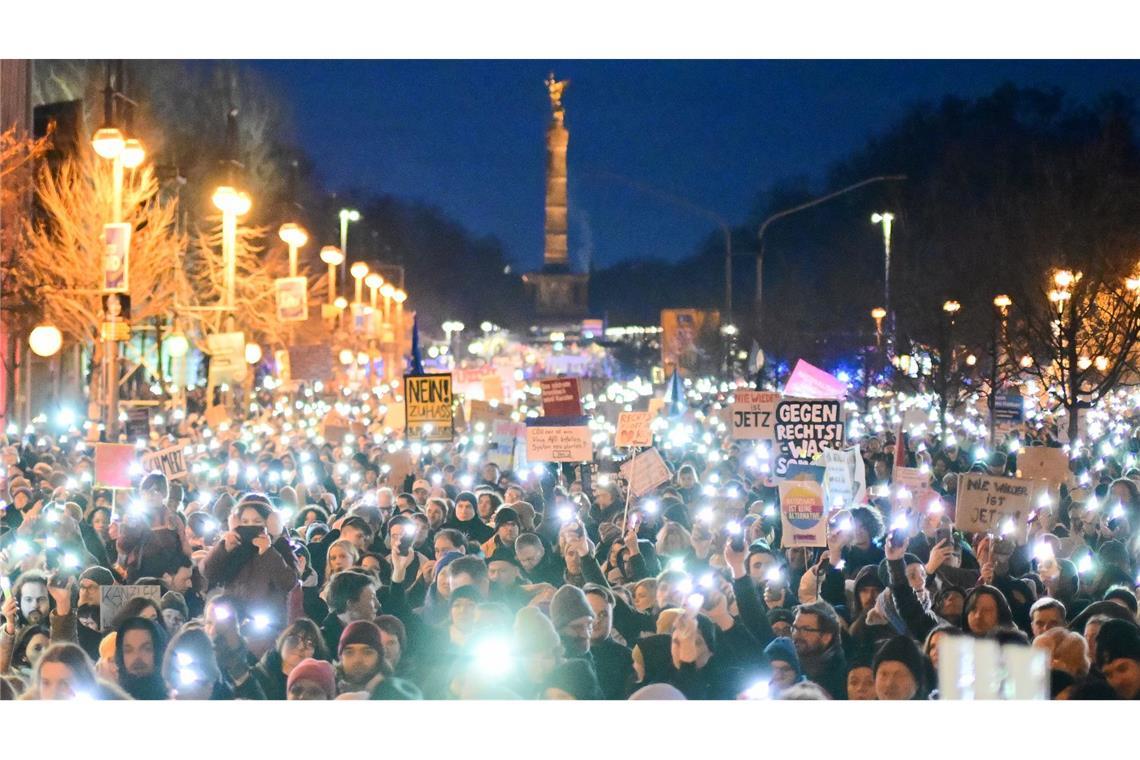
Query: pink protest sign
x=807, y=381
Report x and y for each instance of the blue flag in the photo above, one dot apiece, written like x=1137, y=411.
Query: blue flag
x=417, y=367
x=675, y=395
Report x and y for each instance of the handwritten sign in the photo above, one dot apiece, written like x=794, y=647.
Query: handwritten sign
x=310, y=363
x=558, y=439
x=802, y=513
x=645, y=472
x=170, y=462
x=113, y=598
x=910, y=489
x=633, y=430
x=427, y=407
x=227, y=357
x=137, y=424
x=753, y=415
x=986, y=502
x=803, y=427
x=845, y=481
x=486, y=414
x=1043, y=463
x=561, y=397
x=113, y=464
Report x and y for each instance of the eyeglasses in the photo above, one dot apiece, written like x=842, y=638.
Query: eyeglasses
x=299, y=642
x=805, y=629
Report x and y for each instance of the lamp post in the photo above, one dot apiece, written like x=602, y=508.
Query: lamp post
x=1002, y=302
x=232, y=203
x=358, y=270
x=951, y=309
x=387, y=290
x=295, y=236
x=346, y=215
x=885, y=219
x=399, y=297
x=334, y=257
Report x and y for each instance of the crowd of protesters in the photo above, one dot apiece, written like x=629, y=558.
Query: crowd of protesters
x=285, y=566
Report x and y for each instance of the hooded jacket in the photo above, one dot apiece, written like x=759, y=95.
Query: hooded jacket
x=258, y=581
x=269, y=676
x=150, y=687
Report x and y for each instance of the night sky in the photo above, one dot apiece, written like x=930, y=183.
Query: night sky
x=468, y=136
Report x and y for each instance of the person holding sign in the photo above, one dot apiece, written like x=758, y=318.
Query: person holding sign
x=254, y=562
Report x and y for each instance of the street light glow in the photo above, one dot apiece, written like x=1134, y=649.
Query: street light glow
x=133, y=153
x=332, y=256
x=878, y=313
x=951, y=307
x=293, y=234
x=108, y=142
x=1002, y=301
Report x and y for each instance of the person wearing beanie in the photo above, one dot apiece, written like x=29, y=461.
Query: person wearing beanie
x=506, y=523
x=1118, y=657
x=657, y=691
x=860, y=680
x=465, y=519
x=784, y=663
x=573, y=618
x=538, y=651
x=174, y=611
x=360, y=656
x=575, y=680
x=911, y=598
x=899, y=671
x=311, y=680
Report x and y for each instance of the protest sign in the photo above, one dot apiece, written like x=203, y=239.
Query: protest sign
x=753, y=415
x=802, y=513
x=311, y=363
x=112, y=599
x=803, y=426
x=985, y=502
x=227, y=357
x=394, y=417
x=113, y=464
x=845, y=481
x=655, y=406
x=975, y=669
x=1043, y=463
x=910, y=489
x=137, y=424
x=558, y=439
x=492, y=387
x=427, y=407
x=645, y=472
x=292, y=299
x=561, y=397
x=633, y=430
x=170, y=462
x=504, y=435
x=807, y=381
x=1009, y=411
x=486, y=414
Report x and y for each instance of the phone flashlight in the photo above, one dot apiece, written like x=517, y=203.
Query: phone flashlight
x=1085, y=565
x=705, y=515
x=1007, y=527
x=707, y=580
x=935, y=507
x=759, y=690
x=261, y=621
x=649, y=507
x=185, y=659
x=695, y=601
x=5, y=584
x=565, y=514
x=222, y=612
x=774, y=575
x=70, y=561
x=1043, y=552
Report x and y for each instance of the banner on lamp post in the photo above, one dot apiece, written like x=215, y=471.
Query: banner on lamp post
x=116, y=257
x=292, y=299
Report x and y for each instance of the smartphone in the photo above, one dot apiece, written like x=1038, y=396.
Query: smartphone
x=249, y=532
x=944, y=534
x=406, y=540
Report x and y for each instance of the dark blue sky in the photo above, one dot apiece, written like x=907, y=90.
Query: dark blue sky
x=468, y=136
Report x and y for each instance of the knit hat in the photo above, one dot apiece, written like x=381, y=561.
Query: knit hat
x=901, y=649
x=577, y=678
x=657, y=691
x=318, y=671
x=467, y=496
x=504, y=515
x=172, y=600
x=360, y=632
x=569, y=604
x=107, y=646
x=781, y=649
x=534, y=633
x=100, y=575
x=908, y=560
x=1118, y=639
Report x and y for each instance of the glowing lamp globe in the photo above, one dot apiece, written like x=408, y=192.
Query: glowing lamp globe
x=133, y=153
x=346, y=356
x=358, y=270
x=45, y=340
x=293, y=234
x=399, y=296
x=252, y=353
x=373, y=281
x=332, y=255
x=177, y=345
x=387, y=290
x=341, y=302
x=108, y=142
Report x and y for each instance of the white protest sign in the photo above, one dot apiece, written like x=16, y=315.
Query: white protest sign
x=633, y=430
x=112, y=599
x=802, y=513
x=844, y=481
x=910, y=488
x=558, y=439
x=501, y=450
x=645, y=472
x=986, y=502
x=170, y=462
x=803, y=427
x=754, y=415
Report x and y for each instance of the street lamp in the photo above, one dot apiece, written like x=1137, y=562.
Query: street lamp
x=951, y=307
x=877, y=314
x=133, y=153
x=45, y=340
x=232, y=204
x=252, y=353
x=358, y=270
x=387, y=290
x=334, y=257
x=295, y=236
x=1002, y=302
x=886, y=218
x=346, y=215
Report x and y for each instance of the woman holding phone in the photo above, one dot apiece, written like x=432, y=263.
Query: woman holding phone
x=254, y=562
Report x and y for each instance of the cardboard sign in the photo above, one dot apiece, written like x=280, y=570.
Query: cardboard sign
x=427, y=407
x=845, y=479
x=1043, y=463
x=633, y=430
x=803, y=514
x=483, y=412
x=753, y=415
x=311, y=363
x=558, y=439
x=561, y=397
x=493, y=388
x=655, y=406
x=807, y=381
x=394, y=417
x=910, y=488
x=112, y=599
x=292, y=299
x=985, y=502
x=504, y=437
x=227, y=357
x=645, y=472
x=116, y=257
x=170, y=462
x=113, y=464
x=138, y=424
x=803, y=427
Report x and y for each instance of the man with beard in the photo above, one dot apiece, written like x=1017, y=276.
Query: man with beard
x=815, y=634
x=139, y=648
x=31, y=591
x=573, y=618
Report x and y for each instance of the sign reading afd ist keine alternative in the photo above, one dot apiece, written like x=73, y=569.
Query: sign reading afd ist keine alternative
x=427, y=407
x=803, y=427
x=802, y=513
